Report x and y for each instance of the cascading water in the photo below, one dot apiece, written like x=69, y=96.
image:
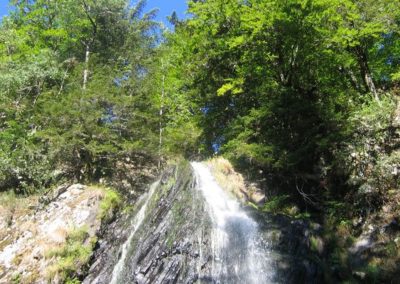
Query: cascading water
x=239, y=255
x=136, y=222
x=189, y=230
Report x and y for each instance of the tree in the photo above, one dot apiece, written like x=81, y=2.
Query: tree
x=358, y=26
x=272, y=83
x=45, y=47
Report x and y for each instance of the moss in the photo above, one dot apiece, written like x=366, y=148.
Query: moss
x=180, y=209
x=128, y=209
x=314, y=244
x=16, y=278
x=72, y=281
x=391, y=249
x=372, y=273
x=179, y=217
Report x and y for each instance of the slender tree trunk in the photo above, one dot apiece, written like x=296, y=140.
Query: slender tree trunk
x=9, y=54
x=86, y=71
x=353, y=80
x=63, y=81
x=161, y=116
x=39, y=90
x=88, y=43
x=366, y=71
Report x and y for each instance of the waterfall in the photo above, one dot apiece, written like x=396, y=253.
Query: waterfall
x=239, y=255
x=187, y=229
x=136, y=222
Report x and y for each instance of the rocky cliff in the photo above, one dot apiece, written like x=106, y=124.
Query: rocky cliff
x=51, y=239
x=173, y=244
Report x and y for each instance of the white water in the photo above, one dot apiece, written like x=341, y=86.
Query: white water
x=136, y=222
x=238, y=253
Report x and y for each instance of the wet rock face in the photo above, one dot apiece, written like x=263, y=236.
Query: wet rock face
x=294, y=259
x=172, y=245
x=107, y=250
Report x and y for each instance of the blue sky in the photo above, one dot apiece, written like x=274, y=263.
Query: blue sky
x=166, y=8
x=3, y=8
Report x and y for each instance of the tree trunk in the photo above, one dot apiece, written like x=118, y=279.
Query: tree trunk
x=365, y=71
x=86, y=71
x=63, y=81
x=88, y=43
x=161, y=115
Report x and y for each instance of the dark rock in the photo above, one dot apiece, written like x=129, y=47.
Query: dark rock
x=173, y=243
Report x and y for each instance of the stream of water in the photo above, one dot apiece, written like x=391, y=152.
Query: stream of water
x=239, y=255
x=136, y=222
x=210, y=240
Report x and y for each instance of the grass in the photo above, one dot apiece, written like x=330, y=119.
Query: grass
x=71, y=256
x=68, y=259
x=227, y=178
x=12, y=206
x=109, y=204
x=75, y=253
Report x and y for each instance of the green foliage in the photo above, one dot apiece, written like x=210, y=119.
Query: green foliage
x=277, y=87
x=373, y=272
x=368, y=157
x=275, y=204
x=109, y=204
x=73, y=281
x=297, y=93
x=51, y=126
x=373, y=115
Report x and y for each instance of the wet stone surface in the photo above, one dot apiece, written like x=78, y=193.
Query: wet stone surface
x=175, y=242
